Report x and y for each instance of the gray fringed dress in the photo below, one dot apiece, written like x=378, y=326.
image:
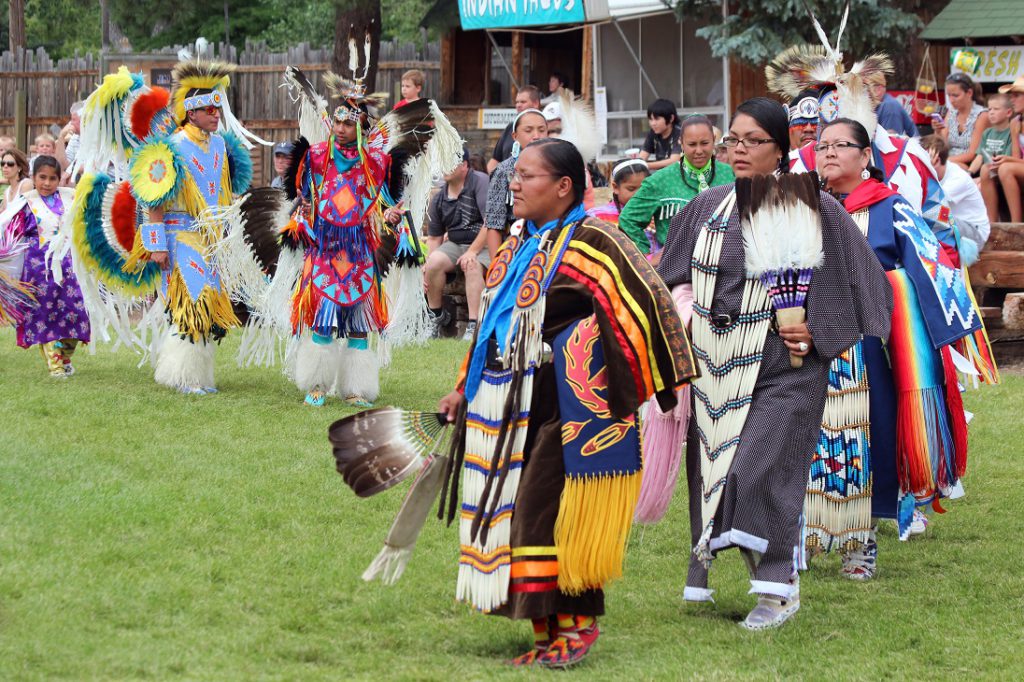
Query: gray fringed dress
x=761, y=504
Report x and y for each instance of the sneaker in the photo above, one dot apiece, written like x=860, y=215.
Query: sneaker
x=440, y=321
x=358, y=401
x=69, y=369
x=771, y=612
x=192, y=390
x=59, y=374
x=316, y=398
x=569, y=647
x=470, y=331
x=210, y=390
x=919, y=524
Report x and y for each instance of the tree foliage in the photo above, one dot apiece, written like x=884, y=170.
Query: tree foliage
x=756, y=32
x=64, y=27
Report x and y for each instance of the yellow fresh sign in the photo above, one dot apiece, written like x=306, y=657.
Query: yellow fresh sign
x=999, y=63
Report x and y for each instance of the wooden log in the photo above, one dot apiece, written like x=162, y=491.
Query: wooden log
x=1006, y=237
x=1003, y=269
x=1013, y=311
x=992, y=316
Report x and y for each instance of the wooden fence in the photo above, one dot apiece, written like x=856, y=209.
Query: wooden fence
x=50, y=87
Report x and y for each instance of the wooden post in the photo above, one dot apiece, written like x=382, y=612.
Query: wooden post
x=587, y=72
x=20, y=120
x=518, y=43
x=447, y=94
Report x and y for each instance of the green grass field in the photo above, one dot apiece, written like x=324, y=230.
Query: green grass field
x=147, y=535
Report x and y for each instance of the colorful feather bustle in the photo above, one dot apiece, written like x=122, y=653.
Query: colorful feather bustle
x=239, y=164
x=106, y=138
x=16, y=297
x=929, y=443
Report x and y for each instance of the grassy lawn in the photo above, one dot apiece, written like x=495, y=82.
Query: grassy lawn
x=147, y=535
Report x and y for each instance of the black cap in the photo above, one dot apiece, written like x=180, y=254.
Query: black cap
x=283, y=148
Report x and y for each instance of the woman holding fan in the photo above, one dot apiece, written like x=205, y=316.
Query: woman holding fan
x=915, y=448
x=576, y=332
x=755, y=413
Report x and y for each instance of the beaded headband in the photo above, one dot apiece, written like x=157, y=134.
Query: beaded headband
x=207, y=99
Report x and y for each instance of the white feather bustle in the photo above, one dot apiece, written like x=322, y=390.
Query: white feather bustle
x=359, y=375
x=316, y=365
x=442, y=154
x=270, y=313
x=182, y=364
x=240, y=271
x=407, y=307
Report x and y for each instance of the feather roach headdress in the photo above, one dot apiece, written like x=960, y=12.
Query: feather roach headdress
x=352, y=101
x=199, y=83
x=820, y=68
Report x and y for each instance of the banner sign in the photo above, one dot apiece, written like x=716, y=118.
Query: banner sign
x=495, y=119
x=475, y=14
x=998, y=63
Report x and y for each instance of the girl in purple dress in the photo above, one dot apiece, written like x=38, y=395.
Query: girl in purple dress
x=59, y=321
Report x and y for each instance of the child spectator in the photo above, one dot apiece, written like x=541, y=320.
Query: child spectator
x=7, y=143
x=555, y=83
x=662, y=146
x=627, y=176
x=412, y=86
x=965, y=202
x=996, y=141
x=1010, y=168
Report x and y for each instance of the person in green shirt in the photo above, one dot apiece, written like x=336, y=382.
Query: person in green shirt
x=668, y=190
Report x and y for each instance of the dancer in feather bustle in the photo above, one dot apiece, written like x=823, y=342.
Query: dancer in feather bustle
x=756, y=414
x=339, y=298
x=894, y=434
x=177, y=178
x=547, y=450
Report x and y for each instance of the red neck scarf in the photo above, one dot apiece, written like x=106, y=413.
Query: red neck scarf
x=866, y=194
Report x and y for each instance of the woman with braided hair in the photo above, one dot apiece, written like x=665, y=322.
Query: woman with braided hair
x=547, y=452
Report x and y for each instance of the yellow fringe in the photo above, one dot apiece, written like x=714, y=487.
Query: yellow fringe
x=138, y=257
x=197, y=318
x=595, y=515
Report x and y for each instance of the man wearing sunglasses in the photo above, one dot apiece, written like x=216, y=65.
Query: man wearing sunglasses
x=177, y=179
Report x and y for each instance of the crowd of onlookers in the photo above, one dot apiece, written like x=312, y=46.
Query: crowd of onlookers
x=975, y=149
x=18, y=167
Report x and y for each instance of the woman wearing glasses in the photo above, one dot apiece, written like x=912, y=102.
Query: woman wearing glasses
x=756, y=417
x=966, y=120
x=576, y=332
x=15, y=172
x=902, y=386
